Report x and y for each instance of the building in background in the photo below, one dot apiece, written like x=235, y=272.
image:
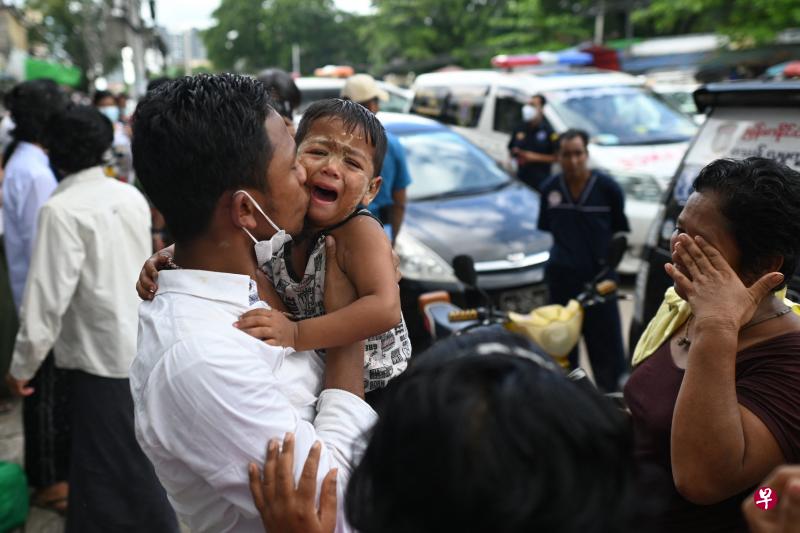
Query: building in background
x=185, y=51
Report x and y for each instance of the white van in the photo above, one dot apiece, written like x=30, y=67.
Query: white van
x=313, y=89
x=635, y=136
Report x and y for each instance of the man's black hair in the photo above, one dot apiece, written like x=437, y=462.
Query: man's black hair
x=480, y=434
x=99, y=96
x=760, y=199
x=197, y=137
x=354, y=117
x=155, y=83
x=282, y=89
x=541, y=98
x=573, y=133
x=32, y=103
x=77, y=138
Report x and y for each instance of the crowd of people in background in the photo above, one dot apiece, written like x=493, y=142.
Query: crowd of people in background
x=271, y=321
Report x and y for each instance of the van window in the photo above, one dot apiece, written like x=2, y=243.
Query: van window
x=508, y=110
x=623, y=115
x=739, y=133
x=460, y=106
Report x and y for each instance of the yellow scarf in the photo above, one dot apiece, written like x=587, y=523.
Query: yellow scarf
x=672, y=314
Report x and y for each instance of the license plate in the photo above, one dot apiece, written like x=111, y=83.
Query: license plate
x=524, y=299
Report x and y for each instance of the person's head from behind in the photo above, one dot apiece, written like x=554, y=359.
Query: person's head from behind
x=484, y=434
x=32, y=104
x=199, y=141
x=364, y=90
x=749, y=210
x=77, y=138
x=284, y=93
x=341, y=145
x=573, y=153
x=107, y=104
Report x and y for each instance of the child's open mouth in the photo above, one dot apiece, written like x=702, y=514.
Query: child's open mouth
x=324, y=195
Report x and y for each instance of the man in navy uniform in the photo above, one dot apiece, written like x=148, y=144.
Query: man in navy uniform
x=533, y=144
x=583, y=209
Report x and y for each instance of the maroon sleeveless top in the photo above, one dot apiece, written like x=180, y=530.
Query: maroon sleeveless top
x=767, y=383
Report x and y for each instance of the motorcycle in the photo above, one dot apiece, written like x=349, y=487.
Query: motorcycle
x=555, y=329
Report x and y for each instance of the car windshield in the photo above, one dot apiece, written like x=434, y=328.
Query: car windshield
x=443, y=163
x=623, y=115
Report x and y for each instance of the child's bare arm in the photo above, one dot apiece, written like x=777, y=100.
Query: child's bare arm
x=365, y=255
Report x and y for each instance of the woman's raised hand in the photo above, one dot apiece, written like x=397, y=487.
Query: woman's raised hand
x=713, y=288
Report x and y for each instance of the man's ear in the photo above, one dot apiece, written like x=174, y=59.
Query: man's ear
x=372, y=190
x=243, y=213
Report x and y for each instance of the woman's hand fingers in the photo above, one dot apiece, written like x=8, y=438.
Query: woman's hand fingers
x=285, y=472
x=698, y=256
x=765, y=285
x=270, y=470
x=680, y=280
x=327, y=502
x=255, y=487
x=307, y=486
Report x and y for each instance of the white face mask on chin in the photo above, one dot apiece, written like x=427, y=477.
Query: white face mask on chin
x=265, y=249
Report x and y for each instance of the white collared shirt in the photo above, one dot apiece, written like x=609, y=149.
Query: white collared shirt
x=93, y=234
x=208, y=397
x=28, y=184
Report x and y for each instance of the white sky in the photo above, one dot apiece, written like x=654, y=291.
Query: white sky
x=181, y=15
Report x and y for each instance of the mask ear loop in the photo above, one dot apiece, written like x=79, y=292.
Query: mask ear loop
x=258, y=207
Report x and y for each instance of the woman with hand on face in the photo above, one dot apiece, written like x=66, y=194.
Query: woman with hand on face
x=716, y=407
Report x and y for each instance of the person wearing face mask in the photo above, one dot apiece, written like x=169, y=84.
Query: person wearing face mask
x=222, y=169
x=533, y=144
x=119, y=157
x=77, y=302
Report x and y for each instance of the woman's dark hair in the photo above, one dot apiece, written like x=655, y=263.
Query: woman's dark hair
x=354, y=116
x=31, y=104
x=99, y=96
x=573, y=133
x=77, y=138
x=760, y=198
x=282, y=89
x=197, y=137
x=483, y=434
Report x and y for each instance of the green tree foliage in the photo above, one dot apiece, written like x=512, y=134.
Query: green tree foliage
x=252, y=34
x=75, y=30
x=745, y=21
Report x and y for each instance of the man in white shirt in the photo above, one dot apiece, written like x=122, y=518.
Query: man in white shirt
x=28, y=184
x=78, y=301
x=219, y=163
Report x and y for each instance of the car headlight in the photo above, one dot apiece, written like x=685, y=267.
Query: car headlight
x=420, y=263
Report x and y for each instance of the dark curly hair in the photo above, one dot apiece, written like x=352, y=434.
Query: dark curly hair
x=31, y=104
x=482, y=434
x=77, y=138
x=195, y=138
x=760, y=198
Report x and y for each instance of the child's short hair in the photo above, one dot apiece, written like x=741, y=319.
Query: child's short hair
x=354, y=116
